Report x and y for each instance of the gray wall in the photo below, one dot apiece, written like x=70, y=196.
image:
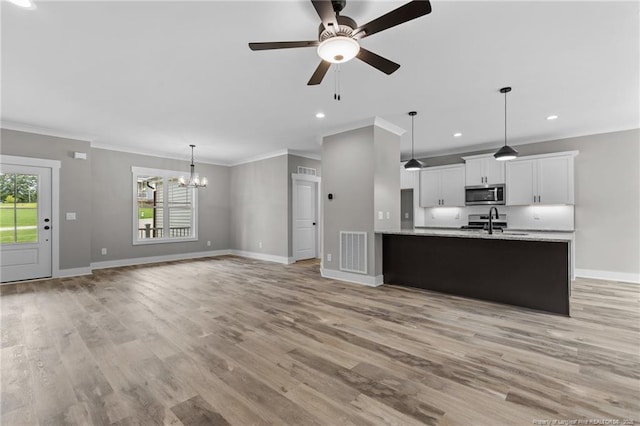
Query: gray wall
x=360, y=169
x=76, y=189
x=352, y=188
x=259, y=203
x=607, y=196
x=386, y=179
x=112, y=212
x=293, y=161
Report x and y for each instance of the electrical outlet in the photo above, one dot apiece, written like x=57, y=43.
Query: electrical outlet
x=457, y=215
x=380, y=215
x=260, y=244
x=104, y=251
x=328, y=257
x=406, y=215
x=388, y=215
x=208, y=243
x=536, y=215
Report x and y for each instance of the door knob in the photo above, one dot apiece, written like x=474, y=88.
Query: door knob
x=46, y=227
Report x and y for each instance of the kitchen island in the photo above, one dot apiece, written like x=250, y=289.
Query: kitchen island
x=528, y=269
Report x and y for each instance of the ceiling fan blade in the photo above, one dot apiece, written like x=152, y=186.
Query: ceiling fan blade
x=377, y=61
x=407, y=12
x=319, y=73
x=326, y=14
x=282, y=45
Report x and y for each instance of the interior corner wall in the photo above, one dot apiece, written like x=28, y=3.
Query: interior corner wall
x=75, y=189
x=607, y=196
x=348, y=174
x=293, y=161
x=259, y=207
x=112, y=211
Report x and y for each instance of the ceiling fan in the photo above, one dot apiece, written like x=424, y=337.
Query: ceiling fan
x=338, y=36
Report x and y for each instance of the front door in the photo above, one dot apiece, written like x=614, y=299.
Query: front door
x=25, y=222
x=305, y=220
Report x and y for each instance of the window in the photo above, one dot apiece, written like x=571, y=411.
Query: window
x=163, y=212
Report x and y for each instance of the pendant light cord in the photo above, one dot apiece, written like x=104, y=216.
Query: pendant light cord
x=412, y=135
x=505, y=118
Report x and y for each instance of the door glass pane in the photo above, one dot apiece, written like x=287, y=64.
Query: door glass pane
x=149, y=207
x=18, y=208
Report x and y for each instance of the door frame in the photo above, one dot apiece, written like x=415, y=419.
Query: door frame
x=295, y=178
x=54, y=165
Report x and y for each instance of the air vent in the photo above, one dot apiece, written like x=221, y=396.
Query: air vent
x=306, y=171
x=353, y=252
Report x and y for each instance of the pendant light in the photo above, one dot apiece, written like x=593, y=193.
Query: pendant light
x=506, y=152
x=194, y=180
x=413, y=164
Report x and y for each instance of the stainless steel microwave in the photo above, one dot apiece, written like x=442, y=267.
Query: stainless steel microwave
x=484, y=195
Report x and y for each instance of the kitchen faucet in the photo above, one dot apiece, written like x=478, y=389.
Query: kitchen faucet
x=491, y=218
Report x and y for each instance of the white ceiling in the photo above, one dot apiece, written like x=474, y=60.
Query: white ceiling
x=156, y=76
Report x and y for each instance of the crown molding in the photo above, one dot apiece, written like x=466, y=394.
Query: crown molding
x=150, y=153
x=372, y=121
x=253, y=159
x=28, y=128
x=304, y=154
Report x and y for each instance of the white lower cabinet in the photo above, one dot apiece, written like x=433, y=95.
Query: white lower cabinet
x=442, y=186
x=541, y=179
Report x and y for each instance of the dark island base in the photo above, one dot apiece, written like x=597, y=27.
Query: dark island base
x=531, y=274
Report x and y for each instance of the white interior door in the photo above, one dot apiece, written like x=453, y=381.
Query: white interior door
x=25, y=222
x=305, y=220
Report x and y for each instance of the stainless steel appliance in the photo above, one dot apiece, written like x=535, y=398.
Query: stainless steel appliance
x=478, y=222
x=483, y=195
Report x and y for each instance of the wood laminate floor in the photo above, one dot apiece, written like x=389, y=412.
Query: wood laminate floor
x=234, y=341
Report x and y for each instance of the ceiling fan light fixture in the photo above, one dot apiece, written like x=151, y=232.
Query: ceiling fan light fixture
x=338, y=49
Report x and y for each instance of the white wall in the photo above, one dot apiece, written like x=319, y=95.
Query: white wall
x=543, y=218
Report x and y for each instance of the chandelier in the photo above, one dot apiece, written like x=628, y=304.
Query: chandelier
x=194, y=180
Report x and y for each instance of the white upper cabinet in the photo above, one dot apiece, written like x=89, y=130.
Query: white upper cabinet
x=521, y=186
x=541, y=179
x=483, y=170
x=442, y=186
x=408, y=178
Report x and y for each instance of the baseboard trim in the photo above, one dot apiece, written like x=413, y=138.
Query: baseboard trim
x=72, y=272
x=367, y=280
x=262, y=256
x=156, y=259
x=608, y=275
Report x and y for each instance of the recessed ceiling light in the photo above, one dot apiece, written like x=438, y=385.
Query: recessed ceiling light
x=457, y=135
x=552, y=117
x=27, y=4
x=320, y=115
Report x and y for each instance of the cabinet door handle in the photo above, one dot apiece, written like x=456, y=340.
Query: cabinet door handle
x=538, y=198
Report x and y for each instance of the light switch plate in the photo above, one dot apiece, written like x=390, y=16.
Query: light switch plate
x=388, y=215
x=71, y=216
x=380, y=215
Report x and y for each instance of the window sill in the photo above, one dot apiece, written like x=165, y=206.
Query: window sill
x=163, y=241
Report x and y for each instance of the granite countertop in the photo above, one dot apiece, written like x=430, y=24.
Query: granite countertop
x=555, y=236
